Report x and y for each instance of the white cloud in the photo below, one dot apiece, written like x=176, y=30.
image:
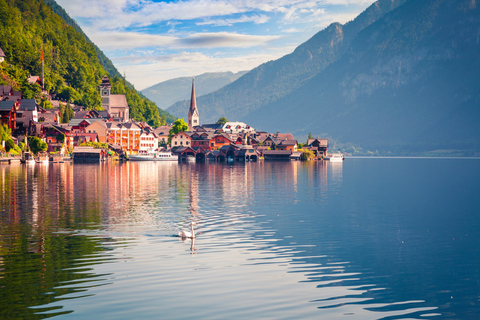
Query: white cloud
x=257, y=19
x=130, y=40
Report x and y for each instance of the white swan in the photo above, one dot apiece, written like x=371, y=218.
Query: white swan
x=188, y=234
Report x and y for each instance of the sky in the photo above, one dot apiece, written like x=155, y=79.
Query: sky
x=151, y=41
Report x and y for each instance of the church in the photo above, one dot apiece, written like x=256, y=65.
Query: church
x=115, y=104
x=193, y=116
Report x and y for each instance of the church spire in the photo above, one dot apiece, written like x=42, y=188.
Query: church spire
x=193, y=117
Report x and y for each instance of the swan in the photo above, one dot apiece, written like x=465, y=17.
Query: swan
x=188, y=234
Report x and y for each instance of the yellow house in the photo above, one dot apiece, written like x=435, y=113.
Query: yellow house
x=100, y=128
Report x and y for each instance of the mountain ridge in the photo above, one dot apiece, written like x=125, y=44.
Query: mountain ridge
x=168, y=92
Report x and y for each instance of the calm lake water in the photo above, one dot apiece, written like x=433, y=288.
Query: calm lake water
x=366, y=239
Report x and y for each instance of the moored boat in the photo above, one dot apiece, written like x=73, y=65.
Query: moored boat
x=160, y=156
x=335, y=157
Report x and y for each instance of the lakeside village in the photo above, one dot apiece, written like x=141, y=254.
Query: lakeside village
x=36, y=134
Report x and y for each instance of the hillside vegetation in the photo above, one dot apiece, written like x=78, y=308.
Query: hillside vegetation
x=72, y=68
x=275, y=79
x=408, y=84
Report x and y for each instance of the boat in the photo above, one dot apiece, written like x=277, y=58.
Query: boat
x=153, y=156
x=27, y=158
x=335, y=157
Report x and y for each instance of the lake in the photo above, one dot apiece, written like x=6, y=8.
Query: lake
x=370, y=238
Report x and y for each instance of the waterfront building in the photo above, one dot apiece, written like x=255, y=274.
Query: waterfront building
x=193, y=115
x=181, y=139
x=126, y=135
x=148, y=142
x=100, y=128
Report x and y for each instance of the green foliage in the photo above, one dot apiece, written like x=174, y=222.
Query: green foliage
x=307, y=154
x=178, y=126
x=37, y=145
x=72, y=67
x=222, y=121
x=67, y=113
x=96, y=145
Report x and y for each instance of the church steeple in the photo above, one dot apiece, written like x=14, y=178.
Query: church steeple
x=193, y=117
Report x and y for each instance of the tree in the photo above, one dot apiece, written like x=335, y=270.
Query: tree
x=178, y=126
x=37, y=145
x=222, y=121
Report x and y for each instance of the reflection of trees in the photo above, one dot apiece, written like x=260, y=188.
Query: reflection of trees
x=35, y=264
x=34, y=261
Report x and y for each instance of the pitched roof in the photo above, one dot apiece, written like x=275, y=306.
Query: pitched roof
x=5, y=90
x=2, y=54
x=28, y=104
x=193, y=101
x=288, y=142
x=118, y=101
x=7, y=105
x=283, y=136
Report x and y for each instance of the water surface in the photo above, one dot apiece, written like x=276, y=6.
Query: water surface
x=366, y=239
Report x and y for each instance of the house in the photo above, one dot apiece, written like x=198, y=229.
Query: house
x=124, y=134
x=181, y=139
x=2, y=55
x=100, y=128
x=291, y=145
x=220, y=140
x=184, y=152
x=29, y=106
x=237, y=127
x=162, y=133
x=246, y=153
x=5, y=91
x=318, y=146
x=88, y=154
x=8, y=114
x=148, y=141
x=277, y=155
x=201, y=139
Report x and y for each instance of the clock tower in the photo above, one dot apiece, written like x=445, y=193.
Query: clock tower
x=105, y=88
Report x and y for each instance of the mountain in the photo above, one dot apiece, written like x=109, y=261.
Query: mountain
x=275, y=79
x=166, y=93
x=30, y=29
x=407, y=84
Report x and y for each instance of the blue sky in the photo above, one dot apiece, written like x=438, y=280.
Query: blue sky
x=152, y=41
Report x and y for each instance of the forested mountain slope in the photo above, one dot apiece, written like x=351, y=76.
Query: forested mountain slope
x=408, y=83
x=273, y=80
x=72, y=68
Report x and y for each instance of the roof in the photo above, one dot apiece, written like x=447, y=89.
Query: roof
x=76, y=122
x=276, y=152
x=7, y=105
x=5, y=90
x=321, y=142
x=118, y=101
x=105, y=82
x=28, y=104
x=283, y=136
x=86, y=150
x=33, y=79
x=193, y=101
x=288, y=143
x=2, y=54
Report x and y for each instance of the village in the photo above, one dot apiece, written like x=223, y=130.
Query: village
x=92, y=135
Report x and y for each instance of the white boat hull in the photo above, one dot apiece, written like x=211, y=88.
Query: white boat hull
x=159, y=157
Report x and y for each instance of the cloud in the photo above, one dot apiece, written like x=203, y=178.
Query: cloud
x=257, y=19
x=131, y=40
